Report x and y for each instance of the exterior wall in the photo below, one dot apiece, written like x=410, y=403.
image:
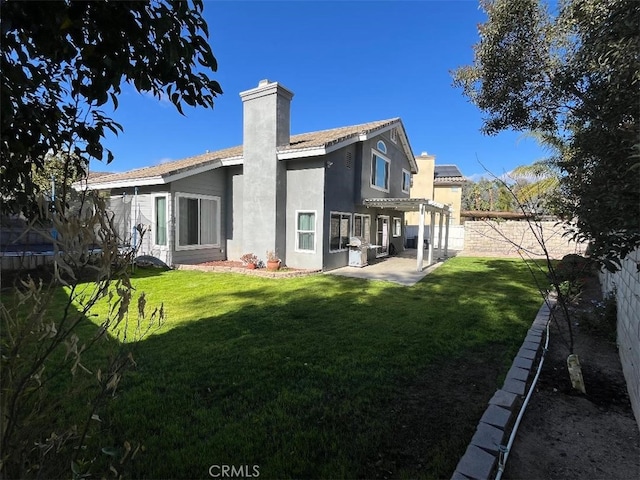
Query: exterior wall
x=398, y=161
x=449, y=195
x=139, y=209
x=234, y=213
x=490, y=239
x=305, y=192
x=266, y=125
x=422, y=185
x=213, y=183
x=626, y=285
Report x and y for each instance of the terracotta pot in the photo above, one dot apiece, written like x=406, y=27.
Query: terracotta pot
x=273, y=265
x=251, y=266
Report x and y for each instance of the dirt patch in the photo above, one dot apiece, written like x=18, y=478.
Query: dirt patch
x=565, y=434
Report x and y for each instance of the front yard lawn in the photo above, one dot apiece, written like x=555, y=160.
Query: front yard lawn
x=321, y=376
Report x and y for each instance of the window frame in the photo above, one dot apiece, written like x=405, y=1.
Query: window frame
x=199, y=197
x=155, y=220
x=362, y=216
x=381, y=146
x=341, y=248
x=297, y=248
x=396, y=229
x=377, y=154
x=406, y=174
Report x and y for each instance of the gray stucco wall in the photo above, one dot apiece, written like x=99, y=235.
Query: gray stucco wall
x=398, y=162
x=210, y=183
x=233, y=213
x=305, y=192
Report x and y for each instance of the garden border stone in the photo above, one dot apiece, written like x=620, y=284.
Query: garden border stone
x=480, y=461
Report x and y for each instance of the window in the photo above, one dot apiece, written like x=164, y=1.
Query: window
x=339, y=231
x=160, y=204
x=379, y=172
x=381, y=146
x=397, y=227
x=362, y=227
x=306, y=232
x=406, y=180
x=394, y=135
x=198, y=221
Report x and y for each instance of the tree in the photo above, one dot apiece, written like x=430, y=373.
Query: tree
x=61, y=62
x=64, y=60
x=573, y=75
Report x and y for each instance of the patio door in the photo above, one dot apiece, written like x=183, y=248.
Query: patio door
x=382, y=237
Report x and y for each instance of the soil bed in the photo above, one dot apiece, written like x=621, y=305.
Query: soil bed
x=565, y=434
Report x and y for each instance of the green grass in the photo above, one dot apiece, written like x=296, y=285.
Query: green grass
x=299, y=376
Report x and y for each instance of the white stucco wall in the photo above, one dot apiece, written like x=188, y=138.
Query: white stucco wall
x=626, y=284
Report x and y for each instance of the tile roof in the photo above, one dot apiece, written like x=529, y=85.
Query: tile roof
x=322, y=138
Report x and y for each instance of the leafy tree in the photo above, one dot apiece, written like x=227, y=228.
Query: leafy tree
x=573, y=75
x=486, y=195
x=64, y=60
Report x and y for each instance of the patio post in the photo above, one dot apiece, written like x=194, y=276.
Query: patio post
x=440, y=232
x=420, y=246
x=446, y=235
x=432, y=232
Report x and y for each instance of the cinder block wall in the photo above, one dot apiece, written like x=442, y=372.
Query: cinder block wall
x=499, y=239
x=626, y=284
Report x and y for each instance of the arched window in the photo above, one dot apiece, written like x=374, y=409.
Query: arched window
x=381, y=146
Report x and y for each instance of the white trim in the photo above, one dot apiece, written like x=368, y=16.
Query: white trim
x=380, y=253
x=179, y=195
x=393, y=135
x=154, y=218
x=228, y=162
x=348, y=233
x=297, y=248
x=371, y=184
x=404, y=170
x=393, y=227
x=302, y=153
x=363, y=216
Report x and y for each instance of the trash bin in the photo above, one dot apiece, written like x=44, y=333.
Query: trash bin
x=357, y=252
x=412, y=242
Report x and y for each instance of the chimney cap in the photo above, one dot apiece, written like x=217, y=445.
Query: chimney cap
x=265, y=81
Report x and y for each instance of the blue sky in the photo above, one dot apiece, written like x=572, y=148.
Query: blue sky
x=347, y=62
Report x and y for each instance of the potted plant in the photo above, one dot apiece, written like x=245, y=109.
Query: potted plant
x=273, y=261
x=249, y=260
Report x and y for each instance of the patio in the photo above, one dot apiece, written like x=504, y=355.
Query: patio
x=399, y=269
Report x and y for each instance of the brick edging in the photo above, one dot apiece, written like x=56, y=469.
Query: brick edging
x=480, y=461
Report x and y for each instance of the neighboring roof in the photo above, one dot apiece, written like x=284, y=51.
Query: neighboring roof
x=447, y=174
x=300, y=146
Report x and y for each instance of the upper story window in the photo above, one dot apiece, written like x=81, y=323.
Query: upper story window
x=381, y=146
x=379, y=172
x=406, y=180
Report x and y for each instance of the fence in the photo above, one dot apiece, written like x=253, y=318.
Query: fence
x=504, y=239
x=626, y=285
x=456, y=235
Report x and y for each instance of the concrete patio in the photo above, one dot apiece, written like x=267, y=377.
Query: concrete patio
x=399, y=269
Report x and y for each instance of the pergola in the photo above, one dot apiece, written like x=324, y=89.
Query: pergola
x=422, y=205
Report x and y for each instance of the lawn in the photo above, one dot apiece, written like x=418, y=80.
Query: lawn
x=320, y=376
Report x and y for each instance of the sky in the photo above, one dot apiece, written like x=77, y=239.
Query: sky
x=347, y=62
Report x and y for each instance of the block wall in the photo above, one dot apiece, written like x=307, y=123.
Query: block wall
x=503, y=239
x=626, y=285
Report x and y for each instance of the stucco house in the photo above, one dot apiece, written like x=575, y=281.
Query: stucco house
x=303, y=196
x=442, y=183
